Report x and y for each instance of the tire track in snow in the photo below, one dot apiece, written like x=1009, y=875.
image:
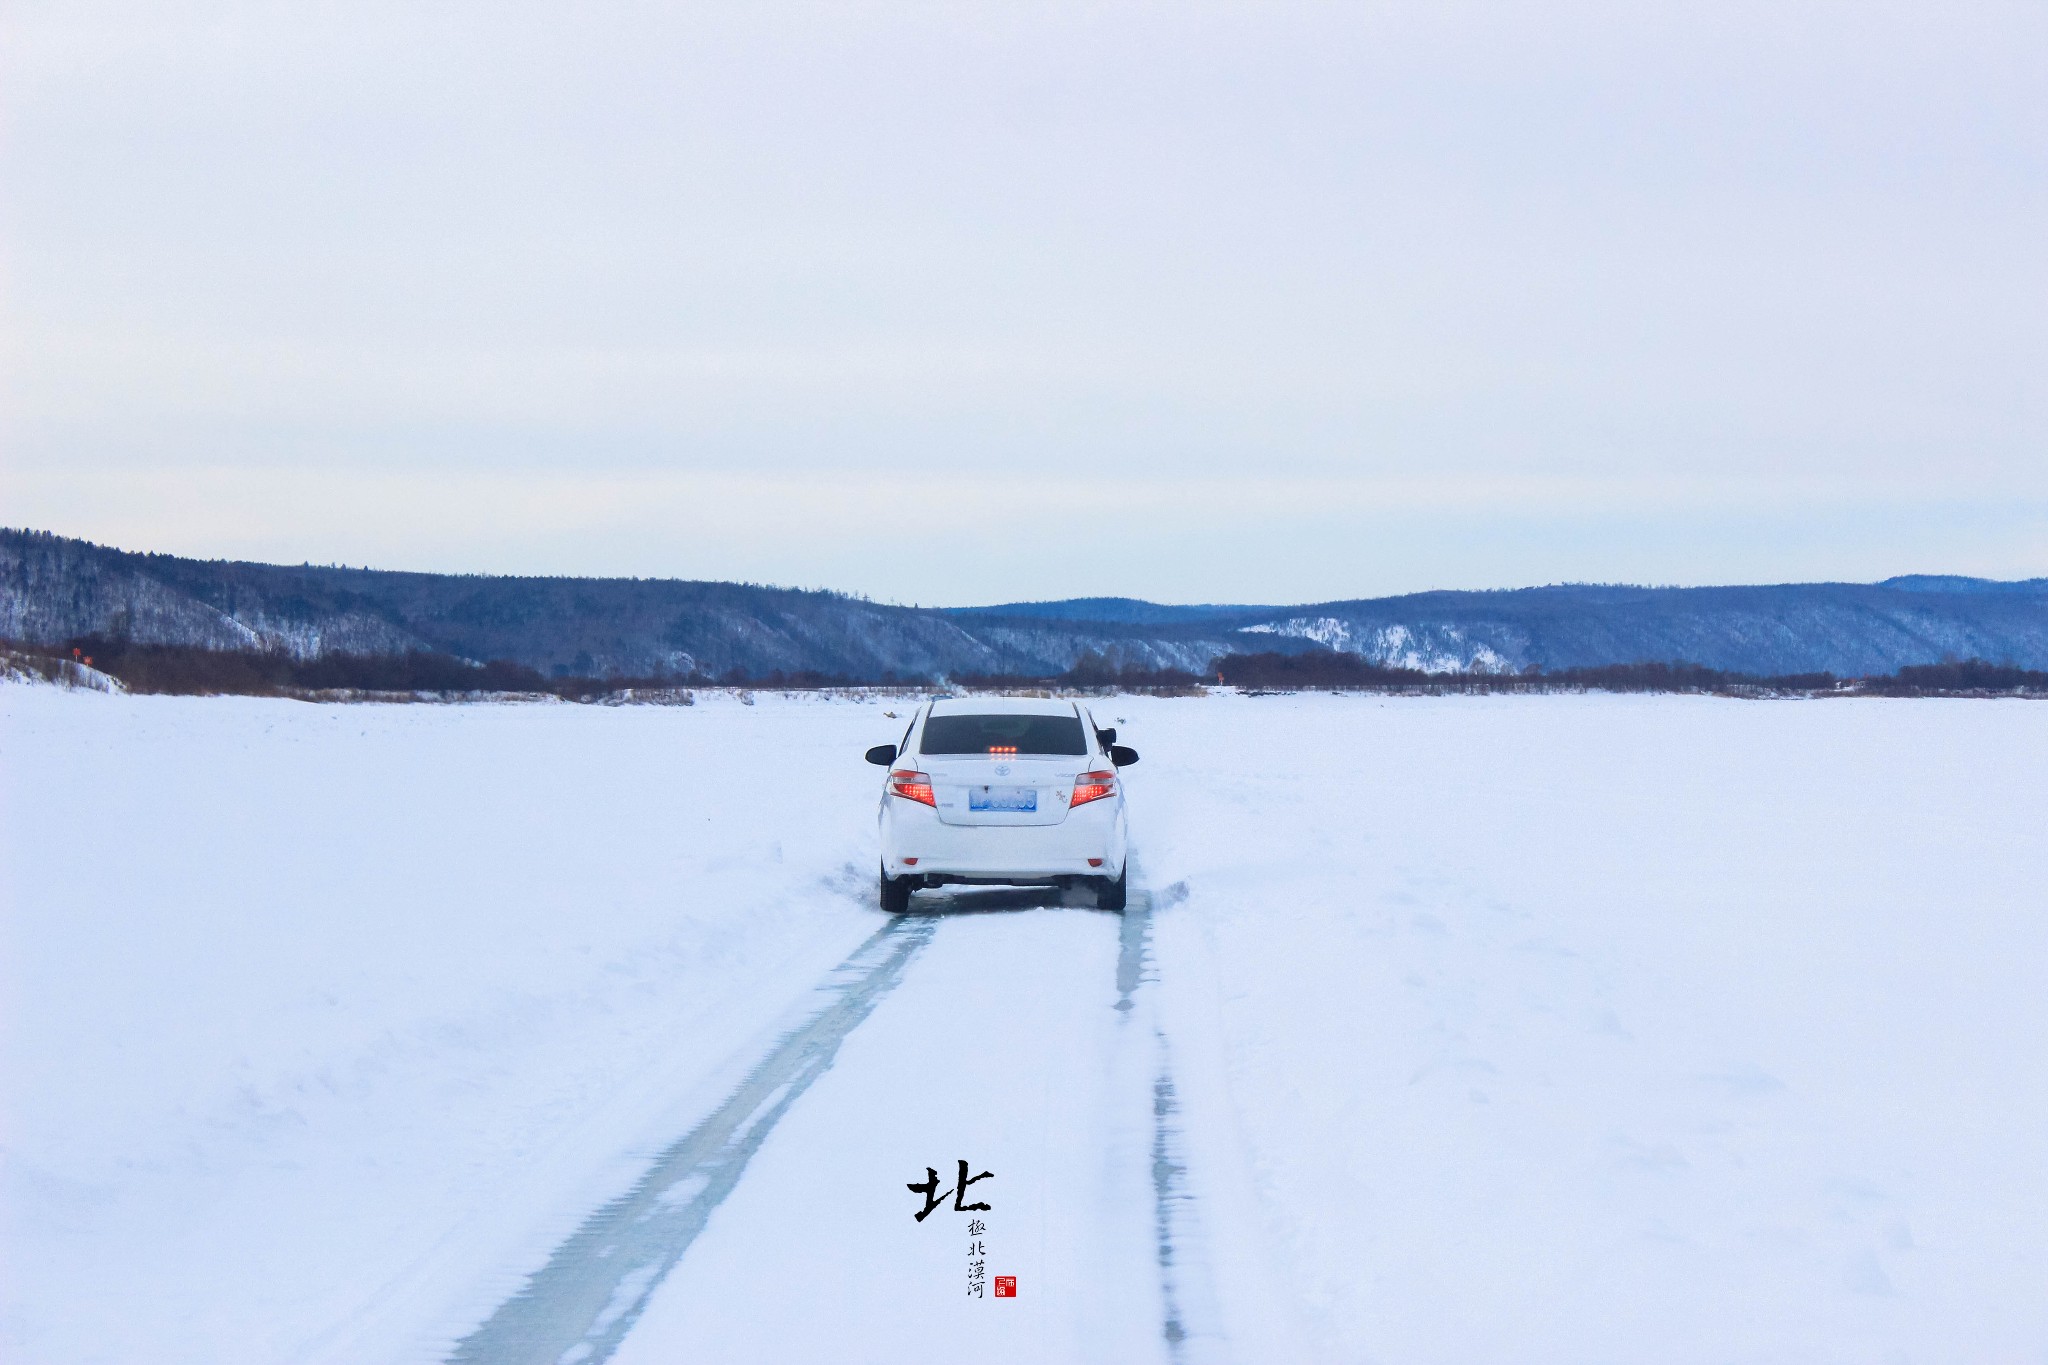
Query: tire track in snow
x=1183, y=1273
x=576, y=1309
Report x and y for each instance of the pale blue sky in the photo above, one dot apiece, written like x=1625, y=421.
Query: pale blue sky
x=954, y=303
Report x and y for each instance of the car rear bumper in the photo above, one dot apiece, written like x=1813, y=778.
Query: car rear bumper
x=1088, y=843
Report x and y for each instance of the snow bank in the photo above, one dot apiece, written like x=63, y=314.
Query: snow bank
x=1600, y=1028
x=41, y=670
x=317, y=1014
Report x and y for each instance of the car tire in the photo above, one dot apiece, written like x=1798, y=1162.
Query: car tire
x=1109, y=895
x=895, y=894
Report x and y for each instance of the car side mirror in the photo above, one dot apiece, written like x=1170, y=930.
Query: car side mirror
x=1122, y=757
x=882, y=755
x=1108, y=736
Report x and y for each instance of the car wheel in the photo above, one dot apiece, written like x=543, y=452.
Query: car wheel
x=1109, y=895
x=895, y=894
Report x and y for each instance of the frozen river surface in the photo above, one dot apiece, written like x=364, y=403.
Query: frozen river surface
x=1444, y=1030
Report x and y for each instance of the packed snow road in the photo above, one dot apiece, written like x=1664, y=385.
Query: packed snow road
x=1453, y=1030
x=1002, y=1049
x=592, y=1290
x=1019, y=1042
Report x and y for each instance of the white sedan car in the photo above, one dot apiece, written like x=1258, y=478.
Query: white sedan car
x=1002, y=791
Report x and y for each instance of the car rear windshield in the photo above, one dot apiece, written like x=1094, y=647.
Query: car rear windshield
x=1004, y=735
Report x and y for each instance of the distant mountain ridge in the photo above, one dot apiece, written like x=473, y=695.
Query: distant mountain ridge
x=54, y=589
x=1848, y=629
x=1935, y=582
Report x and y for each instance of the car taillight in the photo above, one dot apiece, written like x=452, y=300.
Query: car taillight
x=912, y=787
x=1093, y=787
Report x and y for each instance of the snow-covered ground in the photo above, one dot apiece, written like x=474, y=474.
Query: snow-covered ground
x=1451, y=1030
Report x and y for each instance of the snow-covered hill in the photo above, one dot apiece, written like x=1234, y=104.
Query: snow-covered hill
x=1848, y=629
x=53, y=590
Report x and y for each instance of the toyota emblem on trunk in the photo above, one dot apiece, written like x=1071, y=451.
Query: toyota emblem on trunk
x=1002, y=770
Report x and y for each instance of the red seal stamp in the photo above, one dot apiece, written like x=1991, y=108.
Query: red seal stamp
x=1006, y=1286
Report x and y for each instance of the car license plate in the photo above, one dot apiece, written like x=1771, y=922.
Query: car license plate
x=1002, y=798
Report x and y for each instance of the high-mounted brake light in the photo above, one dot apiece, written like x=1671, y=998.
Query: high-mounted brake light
x=1002, y=750
x=912, y=787
x=1093, y=787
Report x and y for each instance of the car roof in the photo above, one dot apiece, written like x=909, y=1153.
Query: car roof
x=1002, y=706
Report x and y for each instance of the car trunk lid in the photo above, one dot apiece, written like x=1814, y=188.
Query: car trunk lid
x=1010, y=790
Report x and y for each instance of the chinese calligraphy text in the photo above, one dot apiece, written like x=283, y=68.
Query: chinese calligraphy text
x=929, y=1188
